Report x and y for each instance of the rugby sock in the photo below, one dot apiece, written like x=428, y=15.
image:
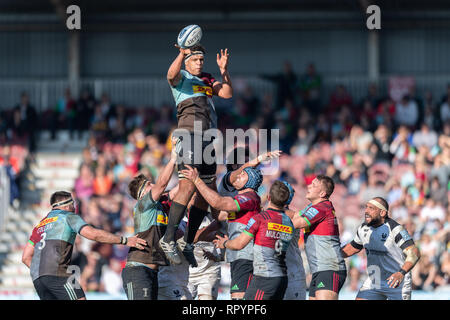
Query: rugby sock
x=196, y=216
x=176, y=214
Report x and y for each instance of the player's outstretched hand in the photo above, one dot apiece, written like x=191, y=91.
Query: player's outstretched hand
x=185, y=51
x=210, y=256
x=190, y=173
x=222, y=59
x=135, y=242
x=219, y=241
x=173, y=154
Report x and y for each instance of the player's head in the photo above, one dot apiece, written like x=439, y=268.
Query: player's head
x=139, y=186
x=320, y=188
x=279, y=194
x=376, y=211
x=249, y=178
x=62, y=200
x=193, y=62
x=237, y=157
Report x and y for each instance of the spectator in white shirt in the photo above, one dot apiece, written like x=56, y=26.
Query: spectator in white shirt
x=425, y=137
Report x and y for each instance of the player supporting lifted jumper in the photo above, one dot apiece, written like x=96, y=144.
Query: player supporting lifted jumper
x=391, y=254
x=53, y=238
x=140, y=275
x=272, y=231
x=192, y=90
x=238, y=210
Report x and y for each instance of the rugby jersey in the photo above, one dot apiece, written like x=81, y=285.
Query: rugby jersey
x=272, y=231
x=193, y=98
x=150, y=223
x=384, y=247
x=249, y=204
x=53, y=239
x=322, y=243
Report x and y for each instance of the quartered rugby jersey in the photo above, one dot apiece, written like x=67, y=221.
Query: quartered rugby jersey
x=384, y=247
x=53, y=240
x=272, y=231
x=193, y=98
x=150, y=223
x=322, y=243
x=249, y=204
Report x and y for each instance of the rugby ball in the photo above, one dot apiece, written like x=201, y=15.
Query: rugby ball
x=189, y=36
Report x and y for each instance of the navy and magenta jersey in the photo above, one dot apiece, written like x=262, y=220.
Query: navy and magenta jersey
x=193, y=98
x=248, y=204
x=53, y=239
x=150, y=223
x=272, y=231
x=322, y=243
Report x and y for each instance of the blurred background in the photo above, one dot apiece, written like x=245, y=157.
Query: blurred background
x=87, y=110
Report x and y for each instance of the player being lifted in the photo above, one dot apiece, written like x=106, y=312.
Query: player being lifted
x=391, y=254
x=193, y=90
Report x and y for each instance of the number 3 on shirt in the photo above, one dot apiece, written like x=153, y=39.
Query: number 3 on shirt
x=42, y=242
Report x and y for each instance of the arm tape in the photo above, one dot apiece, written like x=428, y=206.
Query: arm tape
x=411, y=255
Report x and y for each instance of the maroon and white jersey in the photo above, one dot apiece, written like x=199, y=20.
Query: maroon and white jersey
x=272, y=231
x=248, y=204
x=322, y=243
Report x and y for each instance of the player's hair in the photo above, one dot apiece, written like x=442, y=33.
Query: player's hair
x=327, y=183
x=383, y=202
x=279, y=194
x=59, y=196
x=198, y=47
x=135, y=185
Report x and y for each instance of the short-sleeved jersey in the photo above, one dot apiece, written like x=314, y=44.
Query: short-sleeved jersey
x=150, y=223
x=193, y=97
x=272, y=231
x=384, y=247
x=248, y=204
x=322, y=243
x=53, y=239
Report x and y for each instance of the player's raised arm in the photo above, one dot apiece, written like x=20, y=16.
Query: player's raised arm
x=223, y=89
x=212, y=197
x=173, y=74
x=166, y=174
x=253, y=163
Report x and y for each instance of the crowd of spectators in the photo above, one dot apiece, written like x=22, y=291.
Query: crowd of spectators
x=372, y=147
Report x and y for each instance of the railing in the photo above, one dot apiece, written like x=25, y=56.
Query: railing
x=155, y=91
x=4, y=198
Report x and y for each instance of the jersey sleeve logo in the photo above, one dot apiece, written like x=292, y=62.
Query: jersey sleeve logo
x=311, y=213
x=242, y=199
x=405, y=235
x=250, y=223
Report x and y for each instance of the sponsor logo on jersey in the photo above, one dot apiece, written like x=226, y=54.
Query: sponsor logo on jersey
x=383, y=236
x=46, y=221
x=162, y=219
x=250, y=223
x=203, y=89
x=311, y=213
x=242, y=199
x=231, y=215
x=279, y=227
